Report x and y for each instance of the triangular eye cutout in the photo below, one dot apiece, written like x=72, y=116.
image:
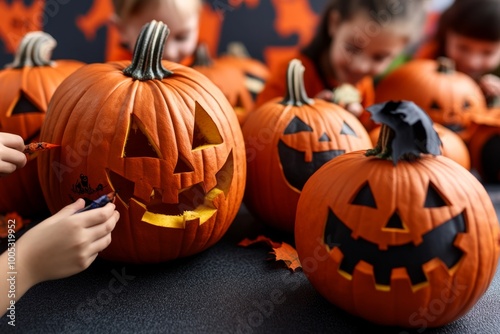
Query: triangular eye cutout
x=183, y=165
x=24, y=106
x=205, y=131
x=434, y=199
x=324, y=137
x=138, y=145
x=297, y=125
x=466, y=105
x=365, y=197
x=395, y=222
x=435, y=105
x=347, y=130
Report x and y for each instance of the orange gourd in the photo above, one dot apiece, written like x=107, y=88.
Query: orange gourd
x=26, y=86
x=160, y=134
x=408, y=239
x=287, y=140
x=450, y=98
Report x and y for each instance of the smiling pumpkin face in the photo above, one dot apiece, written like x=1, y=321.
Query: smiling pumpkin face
x=170, y=145
x=397, y=239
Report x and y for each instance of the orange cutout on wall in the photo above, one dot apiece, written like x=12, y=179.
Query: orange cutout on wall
x=17, y=20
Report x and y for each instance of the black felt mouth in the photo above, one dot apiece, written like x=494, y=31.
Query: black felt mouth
x=297, y=171
x=437, y=243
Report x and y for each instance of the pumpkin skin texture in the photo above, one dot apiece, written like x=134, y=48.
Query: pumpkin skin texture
x=453, y=146
x=27, y=85
x=160, y=134
x=229, y=78
x=403, y=244
x=287, y=140
x=450, y=98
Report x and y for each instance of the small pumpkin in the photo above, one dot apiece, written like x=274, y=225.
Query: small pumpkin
x=230, y=80
x=162, y=136
x=287, y=140
x=27, y=85
x=395, y=234
x=484, y=147
x=452, y=147
x=450, y=98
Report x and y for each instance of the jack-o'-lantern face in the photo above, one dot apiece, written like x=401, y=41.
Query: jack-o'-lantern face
x=416, y=246
x=304, y=148
x=172, y=197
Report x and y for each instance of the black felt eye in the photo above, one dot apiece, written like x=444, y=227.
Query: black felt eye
x=434, y=198
x=347, y=130
x=365, y=197
x=297, y=125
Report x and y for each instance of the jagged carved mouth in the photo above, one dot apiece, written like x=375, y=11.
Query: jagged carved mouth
x=438, y=243
x=194, y=202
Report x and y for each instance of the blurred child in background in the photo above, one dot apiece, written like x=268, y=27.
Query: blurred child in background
x=356, y=40
x=181, y=16
x=60, y=246
x=469, y=33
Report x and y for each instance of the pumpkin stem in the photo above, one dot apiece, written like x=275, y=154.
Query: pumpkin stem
x=296, y=93
x=148, y=53
x=202, y=56
x=445, y=65
x=35, y=50
x=237, y=49
x=407, y=132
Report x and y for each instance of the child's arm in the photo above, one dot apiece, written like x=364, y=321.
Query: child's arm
x=11, y=153
x=490, y=84
x=60, y=246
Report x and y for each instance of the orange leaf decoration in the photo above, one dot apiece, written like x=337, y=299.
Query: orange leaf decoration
x=11, y=219
x=281, y=251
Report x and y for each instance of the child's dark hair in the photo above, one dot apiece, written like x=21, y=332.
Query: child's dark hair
x=410, y=12
x=476, y=19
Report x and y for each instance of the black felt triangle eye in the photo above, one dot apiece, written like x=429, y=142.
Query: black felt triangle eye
x=297, y=125
x=324, y=137
x=24, y=106
x=347, y=130
x=434, y=199
x=395, y=222
x=365, y=197
x=205, y=131
x=138, y=145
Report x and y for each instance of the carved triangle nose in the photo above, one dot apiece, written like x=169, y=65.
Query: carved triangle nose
x=395, y=222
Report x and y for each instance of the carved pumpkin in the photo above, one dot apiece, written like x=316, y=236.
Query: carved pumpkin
x=452, y=147
x=402, y=242
x=26, y=87
x=484, y=147
x=160, y=134
x=230, y=80
x=450, y=98
x=287, y=140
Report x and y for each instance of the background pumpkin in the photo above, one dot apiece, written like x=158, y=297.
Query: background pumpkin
x=404, y=243
x=452, y=147
x=450, y=98
x=26, y=86
x=167, y=140
x=287, y=140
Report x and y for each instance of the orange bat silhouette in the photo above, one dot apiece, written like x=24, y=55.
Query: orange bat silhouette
x=249, y=3
x=17, y=20
x=295, y=17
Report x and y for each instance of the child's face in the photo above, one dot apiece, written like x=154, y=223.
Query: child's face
x=473, y=57
x=183, y=26
x=361, y=47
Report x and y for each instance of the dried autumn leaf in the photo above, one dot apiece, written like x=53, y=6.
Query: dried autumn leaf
x=281, y=251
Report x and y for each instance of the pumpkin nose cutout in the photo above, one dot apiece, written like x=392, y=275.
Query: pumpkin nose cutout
x=395, y=222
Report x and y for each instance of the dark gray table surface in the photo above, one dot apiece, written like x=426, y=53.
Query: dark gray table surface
x=225, y=289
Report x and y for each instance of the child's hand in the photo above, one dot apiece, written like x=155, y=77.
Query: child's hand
x=66, y=243
x=11, y=153
x=354, y=108
x=490, y=84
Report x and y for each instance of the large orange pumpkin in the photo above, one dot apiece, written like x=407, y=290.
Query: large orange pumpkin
x=287, y=140
x=450, y=98
x=160, y=134
x=411, y=242
x=453, y=146
x=26, y=86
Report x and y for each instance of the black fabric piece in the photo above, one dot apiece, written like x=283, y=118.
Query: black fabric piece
x=297, y=125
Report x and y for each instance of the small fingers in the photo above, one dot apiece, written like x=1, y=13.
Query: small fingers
x=101, y=230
